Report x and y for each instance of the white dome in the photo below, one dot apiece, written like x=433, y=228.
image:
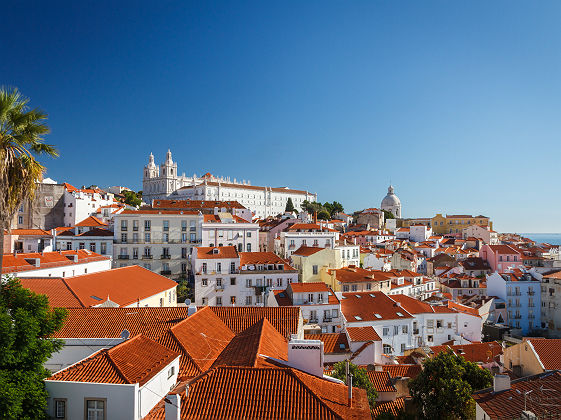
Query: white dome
x=390, y=200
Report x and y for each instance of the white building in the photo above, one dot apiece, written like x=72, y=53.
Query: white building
x=391, y=203
x=28, y=240
x=304, y=234
x=79, y=204
x=226, y=277
x=91, y=233
x=225, y=229
x=159, y=240
x=419, y=233
x=54, y=264
x=165, y=182
x=103, y=386
x=320, y=307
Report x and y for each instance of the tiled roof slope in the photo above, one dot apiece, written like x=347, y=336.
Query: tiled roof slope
x=266, y=393
x=363, y=334
x=134, y=361
x=332, y=342
x=478, y=352
x=402, y=371
x=124, y=286
x=58, y=292
x=306, y=251
x=110, y=322
x=394, y=407
x=19, y=262
x=91, y=221
x=210, y=252
x=549, y=352
x=543, y=401
x=244, y=348
x=366, y=305
x=250, y=258
x=381, y=381
x=284, y=319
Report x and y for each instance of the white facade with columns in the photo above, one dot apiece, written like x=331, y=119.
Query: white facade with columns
x=165, y=182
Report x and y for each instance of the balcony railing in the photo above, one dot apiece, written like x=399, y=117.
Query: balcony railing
x=325, y=320
x=531, y=293
x=122, y=257
x=165, y=272
x=165, y=257
x=135, y=228
x=313, y=321
x=147, y=257
x=415, y=331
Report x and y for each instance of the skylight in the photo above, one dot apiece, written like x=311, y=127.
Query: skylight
x=372, y=295
x=358, y=296
x=96, y=298
x=378, y=316
x=399, y=314
x=342, y=346
x=358, y=318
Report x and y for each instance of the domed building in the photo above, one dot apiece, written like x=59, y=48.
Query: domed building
x=391, y=203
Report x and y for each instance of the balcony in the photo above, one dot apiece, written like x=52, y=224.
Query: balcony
x=517, y=316
x=123, y=257
x=123, y=228
x=165, y=272
x=327, y=320
x=313, y=321
x=531, y=316
x=219, y=288
x=135, y=228
x=531, y=292
x=165, y=257
x=416, y=331
x=147, y=257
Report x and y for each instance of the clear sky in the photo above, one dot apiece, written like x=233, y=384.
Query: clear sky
x=457, y=102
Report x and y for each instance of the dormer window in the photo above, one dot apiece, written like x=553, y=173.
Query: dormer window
x=215, y=251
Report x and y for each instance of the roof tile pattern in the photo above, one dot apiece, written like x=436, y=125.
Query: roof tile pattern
x=332, y=342
x=363, y=334
x=394, y=407
x=134, y=361
x=549, y=352
x=381, y=381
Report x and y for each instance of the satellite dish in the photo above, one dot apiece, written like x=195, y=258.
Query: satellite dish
x=125, y=334
x=251, y=267
x=370, y=367
x=187, y=302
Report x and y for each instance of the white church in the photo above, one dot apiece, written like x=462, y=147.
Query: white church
x=165, y=182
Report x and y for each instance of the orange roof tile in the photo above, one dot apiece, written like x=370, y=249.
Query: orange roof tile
x=219, y=252
x=415, y=306
x=374, y=306
x=134, y=361
x=317, y=286
x=332, y=342
x=19, y=262
x=306, y=251
x=363, y=334
x=381, y=381
x=252, y=258
x=91, y=221
x=58, y=292
x=394, y=407
x=272, y=393
x=353, y=274
x=402, y=370
x=30, y=232
x=548, y=351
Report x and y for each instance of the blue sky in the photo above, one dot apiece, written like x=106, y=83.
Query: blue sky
x=456, y=102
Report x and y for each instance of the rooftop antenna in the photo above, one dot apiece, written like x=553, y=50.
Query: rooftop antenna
x=125, y=334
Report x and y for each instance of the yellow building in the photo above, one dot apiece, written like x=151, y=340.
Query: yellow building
x=455, y=223
x=309, y=261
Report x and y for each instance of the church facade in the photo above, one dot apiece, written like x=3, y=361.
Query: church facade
x=164, y=182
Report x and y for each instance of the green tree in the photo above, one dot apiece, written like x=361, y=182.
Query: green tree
x=443, y=388
x=289, y=205
x=337, y=208
x=184, y=291
x=360, y=379
x=132, y=198
x=21, y=138
x=388, y=214
x=26, y=323
x=324, y=215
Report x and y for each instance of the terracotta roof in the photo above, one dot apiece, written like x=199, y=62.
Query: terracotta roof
x=374, y=306
x=380, y=380
x=58, y=292
x=332, y=342
x=317, y=286
x=473, y=352
x=91, y=221
x=402, y=370
x=542, y=402
x=30, y=232
x=219, y=252
x=259, y=339
x=548, y=351
x=306, y=251
x=415, y=306
x=353, y=274
x=69, y=188
x=237, y=318
x=20, y=262
x=282, y=298
x=110, y=322
x=309, y=227
x=394, y=407
x=94, y=232
x=503, y=249
x=363, y=334
x=251, y=258
x=124, y=286
x=134, y=361
x=266, y=393
x=158, y=211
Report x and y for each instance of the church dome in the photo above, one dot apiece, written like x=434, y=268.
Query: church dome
x=390, y=200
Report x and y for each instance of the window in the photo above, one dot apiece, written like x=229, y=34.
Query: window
x=82, y=245
x=204, y=300
x=183, y=267
x=314, y=269
x=396, y=329
x=183, y=252
x=95, y=409
x=69, y=245
x=219, y=267
x=402, y=347
x=345, y=288
x=354, y=287
x=233, y=300
x=387, y=349
x=92, y=246
x=218, y=300
x=247, y=282
x=368, y=286
x=192, y=237
x=20, y=220
x=171, y=371
x=249, y=234
x=124, y=225
x=386, y=331
x=248, y=247
x=60, y=408
x=248, y=300
x=166, y=237
x=166, y=225
x=135, y=224
x=124, y=237
x=429, y=338
x=279, y=282
x=404, y=329
x=147, y=237
x=203, y=268
x=310, y=297
x=218, y=282
x=147, y=225
x=204, y=282
x=135, y=253
x=183, y=225
x=334, y=313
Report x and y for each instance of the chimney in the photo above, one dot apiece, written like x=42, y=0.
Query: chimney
x=378, y=368
x=350, y=387
x=306, y=355
x=191, y=310
x=173, y=407
x=501, y=383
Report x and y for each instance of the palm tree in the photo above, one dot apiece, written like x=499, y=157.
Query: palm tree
x=21, y=139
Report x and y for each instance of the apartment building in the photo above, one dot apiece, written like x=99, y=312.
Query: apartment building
x=226, y=229
x=304, y=234
x=159, y=240
x=226, y=277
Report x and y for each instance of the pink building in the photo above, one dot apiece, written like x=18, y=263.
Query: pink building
x=501, y=257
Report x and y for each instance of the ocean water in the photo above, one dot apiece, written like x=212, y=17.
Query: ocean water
x=550, y=238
